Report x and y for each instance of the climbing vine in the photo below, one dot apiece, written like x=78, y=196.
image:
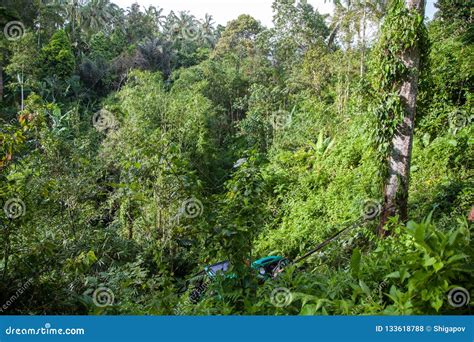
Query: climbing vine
x=403, y=29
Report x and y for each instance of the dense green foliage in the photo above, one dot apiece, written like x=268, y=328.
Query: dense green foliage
x=136, y=148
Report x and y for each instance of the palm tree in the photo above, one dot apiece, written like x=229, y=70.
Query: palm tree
x=208, y=31
x=155, y=54
x=182, y=27
x=71, y=12
x=208, y=23
x=185, y=19
x=98, y=15
x=157, y=14
x=171, y=26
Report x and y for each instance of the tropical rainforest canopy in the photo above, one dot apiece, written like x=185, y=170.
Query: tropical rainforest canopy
x=137, y=147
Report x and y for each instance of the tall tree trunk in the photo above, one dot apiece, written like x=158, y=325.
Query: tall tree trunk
x=396, y=185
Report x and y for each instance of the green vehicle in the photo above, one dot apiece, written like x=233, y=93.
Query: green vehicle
x=266, y=268
x=214, y=269
x=270, y=266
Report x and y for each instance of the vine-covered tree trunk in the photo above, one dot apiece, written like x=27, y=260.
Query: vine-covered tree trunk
x=397, y=182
